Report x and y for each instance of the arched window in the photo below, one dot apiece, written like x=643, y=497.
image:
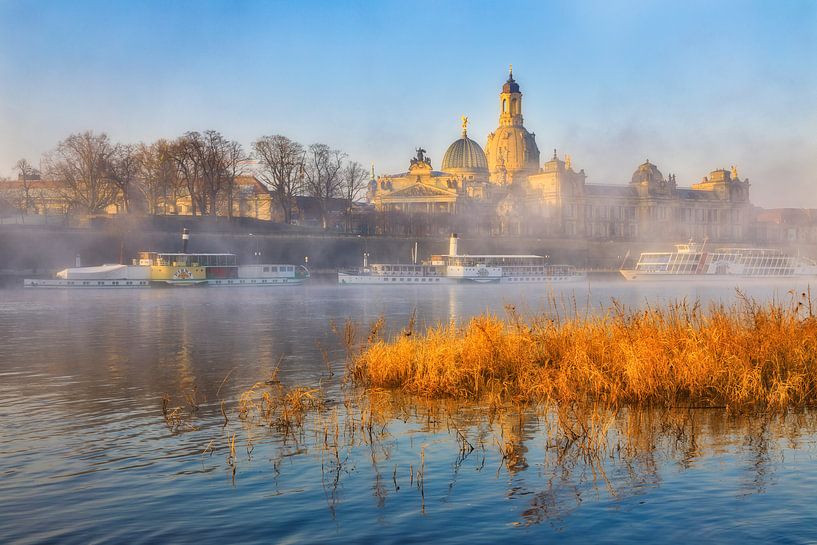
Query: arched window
x=514, y=106
x=504, y=105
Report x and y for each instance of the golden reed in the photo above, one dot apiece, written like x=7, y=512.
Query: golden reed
x=739, y=356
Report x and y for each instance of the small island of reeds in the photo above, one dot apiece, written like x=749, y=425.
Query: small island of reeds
x=740, y=356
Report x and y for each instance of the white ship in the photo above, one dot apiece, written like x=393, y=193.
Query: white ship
x=456, y=268
x=154, y=269
x=692, y=261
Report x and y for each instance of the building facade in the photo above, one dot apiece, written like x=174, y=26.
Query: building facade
x=507, y=191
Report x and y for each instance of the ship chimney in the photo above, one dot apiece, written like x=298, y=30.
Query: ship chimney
x=185, y=238
x=452, y=244
x=78, y=262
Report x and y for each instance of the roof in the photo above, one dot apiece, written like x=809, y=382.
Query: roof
x=510, y=86
x=421, y=190
x=610, y=190
x=433, y=174
x=696, y=194
x=466, y=154
x=647, y=172
x=251, y=183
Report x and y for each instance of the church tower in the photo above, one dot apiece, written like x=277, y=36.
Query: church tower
x=511, y=150
x=510, y=102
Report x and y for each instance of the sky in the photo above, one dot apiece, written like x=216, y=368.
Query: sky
x=690, y=85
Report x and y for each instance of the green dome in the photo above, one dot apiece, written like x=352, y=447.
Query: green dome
x=464, y=154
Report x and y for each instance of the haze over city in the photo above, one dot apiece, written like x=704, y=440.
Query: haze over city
x=692, y=86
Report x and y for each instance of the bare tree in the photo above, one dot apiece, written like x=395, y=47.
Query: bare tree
x=159, y=179
x=354, y=180
x=208, y=163
x=80, y=164
x=123, y=169
x=323, y=178
x=233, y=154
x=26, y=174
x=282, y=163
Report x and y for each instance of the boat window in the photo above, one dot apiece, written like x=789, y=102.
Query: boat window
x=266, y=269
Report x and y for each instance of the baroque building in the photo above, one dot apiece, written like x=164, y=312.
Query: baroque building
x=506, y=191
x=512, y=151
x=462, y=181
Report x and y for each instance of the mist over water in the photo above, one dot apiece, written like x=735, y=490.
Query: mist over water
x=85, y=454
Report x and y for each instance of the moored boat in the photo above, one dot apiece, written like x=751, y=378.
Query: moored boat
x=691, y=261
x=456, y=268
x=155, y=269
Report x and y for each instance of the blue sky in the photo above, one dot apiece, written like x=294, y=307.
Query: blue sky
x=693, y=86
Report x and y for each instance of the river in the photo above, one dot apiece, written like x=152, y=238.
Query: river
x=87, y=455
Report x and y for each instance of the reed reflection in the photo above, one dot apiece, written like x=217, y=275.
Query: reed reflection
x=552, y=458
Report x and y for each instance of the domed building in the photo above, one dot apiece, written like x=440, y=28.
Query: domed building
x=648, y=180
x=465, y=158
x=503, y=190
x=461, y=182
x=511, y=150
x=650, y=207
x=647, y=174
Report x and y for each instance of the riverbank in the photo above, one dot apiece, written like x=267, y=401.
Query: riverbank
x=40, y=250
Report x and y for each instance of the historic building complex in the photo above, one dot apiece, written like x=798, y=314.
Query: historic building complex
x=506, y=190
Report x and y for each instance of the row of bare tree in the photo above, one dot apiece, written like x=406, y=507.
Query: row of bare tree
x=318, y=171
x=90, y=173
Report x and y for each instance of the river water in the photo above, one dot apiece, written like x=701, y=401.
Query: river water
x=87, y=454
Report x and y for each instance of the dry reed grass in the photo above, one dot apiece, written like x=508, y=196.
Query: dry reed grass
x=739, y=356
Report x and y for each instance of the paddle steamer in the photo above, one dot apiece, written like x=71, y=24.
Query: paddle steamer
x=155, y=269
x=456, y=268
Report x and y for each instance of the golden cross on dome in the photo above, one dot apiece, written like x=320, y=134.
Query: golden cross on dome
x=510, y=71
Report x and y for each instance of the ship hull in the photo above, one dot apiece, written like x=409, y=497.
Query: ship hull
x=142, y=284
x=634, y=276
x=255, y=282
x=378, y=280
x=58, y=283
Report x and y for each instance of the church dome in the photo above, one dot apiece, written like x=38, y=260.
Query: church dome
x=510, y=86
x=512, y=150
x=647, y=172
x=464, y=154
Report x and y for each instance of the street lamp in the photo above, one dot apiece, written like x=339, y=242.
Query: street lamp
x=257, y=250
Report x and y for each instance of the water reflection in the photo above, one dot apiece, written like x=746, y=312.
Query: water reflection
x=83, y=376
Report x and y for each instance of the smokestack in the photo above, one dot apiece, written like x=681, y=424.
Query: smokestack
x=78, y=262
x=185, y=238
x=452, y=244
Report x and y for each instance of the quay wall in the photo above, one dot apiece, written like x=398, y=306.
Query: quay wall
x=42, y=250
